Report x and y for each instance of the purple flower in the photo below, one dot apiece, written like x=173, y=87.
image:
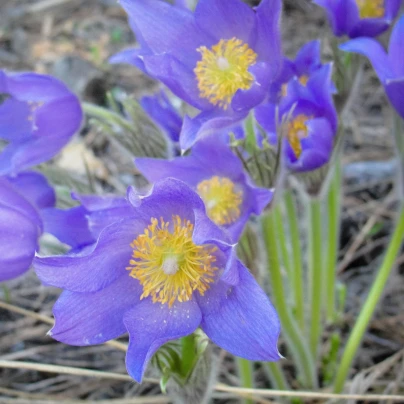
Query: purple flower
x=158, y=275
x=360, y=17
x=220, y=59
x=159, y=108
x=307, y=61
x=217, y=175
x=21, y=199
x=308, y=119
x=38, y=116
x=388, y=66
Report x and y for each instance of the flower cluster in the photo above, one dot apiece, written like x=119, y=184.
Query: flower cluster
x=161, y=261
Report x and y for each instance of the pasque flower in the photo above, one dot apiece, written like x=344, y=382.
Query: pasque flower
x=21, y=200
x=360, y=17
x=388, y=66
x=307, y=119
x=218, y=177
x=306, y=62
x=220, y=59
x=38, y=116
x=159, y=274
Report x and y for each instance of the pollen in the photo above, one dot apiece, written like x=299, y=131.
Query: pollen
x=370, y=8
x=168, y=264
x=222, y=199
x=223, y=70
x=297, y=130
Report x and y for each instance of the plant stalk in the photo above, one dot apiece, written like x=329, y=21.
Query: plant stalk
x=293, y=335
x=315, y=275
x=297, y=277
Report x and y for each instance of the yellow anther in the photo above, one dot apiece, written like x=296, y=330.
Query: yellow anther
x=297, y=130
x=222, y=199
x=168, y=264
x=370, y=8
x=223, y=70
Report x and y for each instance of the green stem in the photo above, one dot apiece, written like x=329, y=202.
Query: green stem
x=277, y=377
x=368, y=308
x=293, y=335
x=315, y=275
x=333, y=213
x=245, y=369
x=297, y=277
x=283, y=243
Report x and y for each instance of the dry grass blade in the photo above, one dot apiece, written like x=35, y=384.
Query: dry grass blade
x=309, y=394
x=42, y=367
x=46, y=319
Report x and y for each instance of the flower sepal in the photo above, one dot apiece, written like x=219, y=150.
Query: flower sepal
x=187, y=367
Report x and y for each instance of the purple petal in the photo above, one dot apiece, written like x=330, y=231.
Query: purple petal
x=374, y=52
x=225, y=19
x=170, y=197
x=94, y=318
x=245, y=100
x=130, y=56
x=150, y=325
x=18, y=242
x=55, y=123
x=204, y=162
x=35, y=187
x=308, y=57
x=179, y=78
x=33, y=87
x=316, y=147
x=265, y=115
x=103, y=211
x=396, y=48
x=207, y=123
x=182, y=168
x=14, y=122
x=268, y=38
x=241, y=319
x=392, y=7
x=343, y=15
x=68, y=226
x=11, y=198
x=97, y=267
x=369, y=27
x=167, y=29
x=161, y=111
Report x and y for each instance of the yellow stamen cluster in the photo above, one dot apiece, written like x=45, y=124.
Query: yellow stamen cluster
x=168, y=264
x=303, y=79
x=222, y=199
x=370, y=8
x=297, y=130
x=223, y=70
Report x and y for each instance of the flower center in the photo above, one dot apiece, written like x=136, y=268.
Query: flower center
x=223, y=70
x=221, y=198
x=370, y=8
x=303, y=79
x=297, y=130
x=168, y=264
